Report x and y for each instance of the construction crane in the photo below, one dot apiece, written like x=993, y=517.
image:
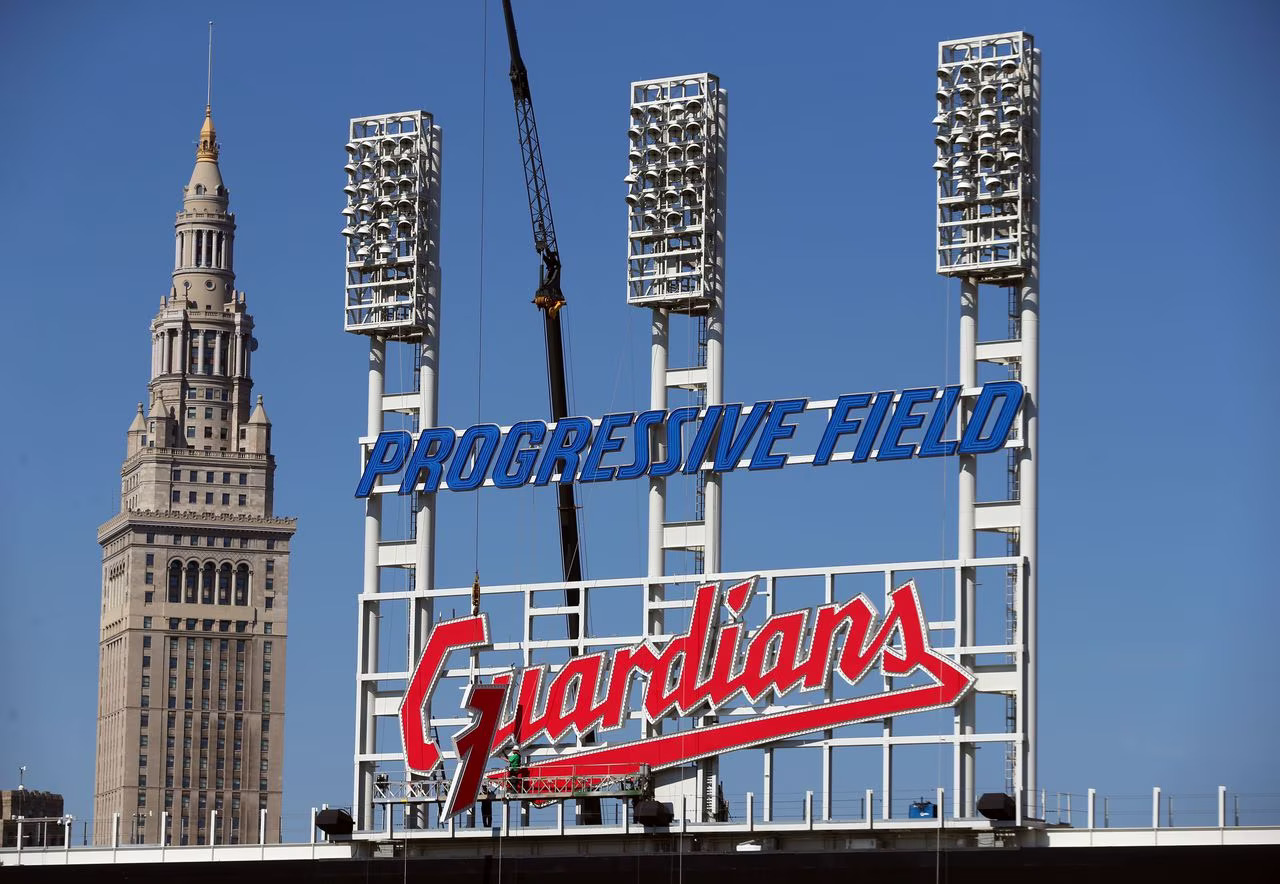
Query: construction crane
x=549, y=299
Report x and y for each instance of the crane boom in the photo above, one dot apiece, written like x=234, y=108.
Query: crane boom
x=549, y=296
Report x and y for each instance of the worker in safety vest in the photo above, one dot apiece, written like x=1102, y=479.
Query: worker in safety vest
x=513, y=771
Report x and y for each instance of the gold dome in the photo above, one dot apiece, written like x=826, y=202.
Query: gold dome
x=208, y=149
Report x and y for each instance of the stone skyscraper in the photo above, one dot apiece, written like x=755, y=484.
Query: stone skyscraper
x=195, y=567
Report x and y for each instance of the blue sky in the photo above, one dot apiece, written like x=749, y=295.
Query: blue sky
x=1158, y=593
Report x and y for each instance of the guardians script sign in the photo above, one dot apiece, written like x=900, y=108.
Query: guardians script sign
x=716, y=661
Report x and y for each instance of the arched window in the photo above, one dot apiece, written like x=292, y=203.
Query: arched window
x=224, y=584
x=175, y=581
x=206, y=584
x=242, y=585
x=192, y=581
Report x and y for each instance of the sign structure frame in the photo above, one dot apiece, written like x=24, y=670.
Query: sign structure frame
x=422, y=729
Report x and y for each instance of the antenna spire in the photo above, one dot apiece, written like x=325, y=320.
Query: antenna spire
x=208, y=99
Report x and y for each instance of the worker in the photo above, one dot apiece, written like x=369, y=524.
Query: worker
x=513, y=771
x=486, y=805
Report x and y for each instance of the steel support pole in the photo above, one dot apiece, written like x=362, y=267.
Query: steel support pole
x=966, y=545
x=658, y=356
x=368, y=638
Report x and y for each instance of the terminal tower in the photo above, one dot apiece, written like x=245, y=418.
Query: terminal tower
x=195, y=568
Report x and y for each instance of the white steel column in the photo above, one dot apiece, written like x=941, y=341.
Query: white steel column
x=658, y=336
x=966, y=547
x=367, y=641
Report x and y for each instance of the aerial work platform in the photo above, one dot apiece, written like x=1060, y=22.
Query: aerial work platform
x=560, y=782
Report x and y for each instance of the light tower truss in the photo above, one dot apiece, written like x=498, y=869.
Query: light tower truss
x=392, y=214
x=676, y=196
x=988, y=236
x=392, y=233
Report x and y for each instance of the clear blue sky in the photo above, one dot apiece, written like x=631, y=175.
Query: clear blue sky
x=1158, y=589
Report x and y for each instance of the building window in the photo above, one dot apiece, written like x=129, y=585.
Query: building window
x=191, y=412
x=208, y=498
x=208, y=392
x=244, y=543
x=266, y=628
x=151, y=538
x=266, y=648
x=271, y=544
x=243, y=500
x=226, y=541
x=270, y=584
x=195, y=541
x=192, y=476
x=226, y=477
x=149, y=579
x=269, y=601
x=224, y=395
x=146, y=623
x=271, y=563
x=226, y=501
x=244, y=478
x=146, y=660
x=146, y=701
x=208, y=432
x=146, y=639
x=148, y=597
x=191, y=393
x=176, y=497
x=242, y=585
x=191, y=497
x=208, y=414
x=177, y=539
x=151, y=558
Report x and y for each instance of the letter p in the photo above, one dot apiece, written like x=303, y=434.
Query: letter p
x=379, y=464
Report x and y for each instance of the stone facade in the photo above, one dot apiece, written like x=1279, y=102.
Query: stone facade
x=195, y=567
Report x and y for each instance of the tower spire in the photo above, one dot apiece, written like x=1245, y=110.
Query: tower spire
x=208, y=149
x=208, y=99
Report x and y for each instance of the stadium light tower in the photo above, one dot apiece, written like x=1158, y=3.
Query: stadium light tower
x=676, y=186
x=988, y=236
x=392, y=233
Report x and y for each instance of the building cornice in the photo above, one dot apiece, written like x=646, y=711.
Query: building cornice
x=193, y=519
